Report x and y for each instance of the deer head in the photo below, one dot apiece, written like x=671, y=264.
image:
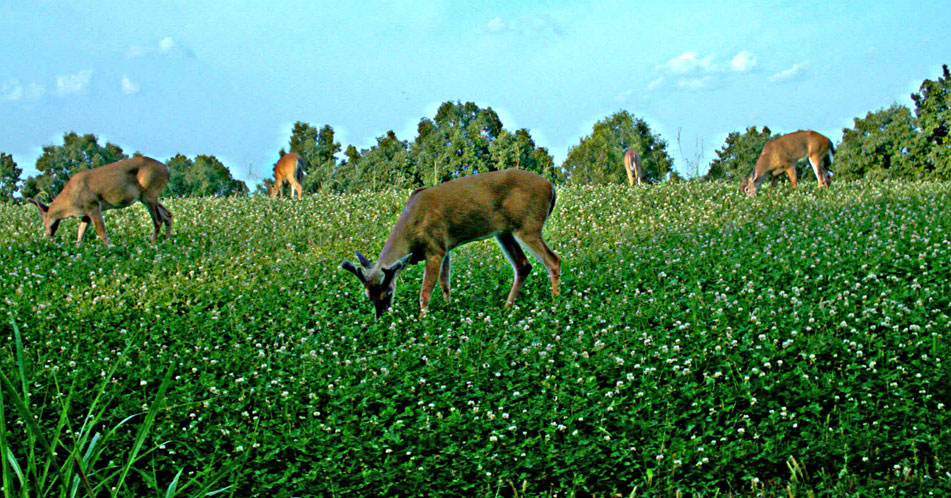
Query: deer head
x=379, y=283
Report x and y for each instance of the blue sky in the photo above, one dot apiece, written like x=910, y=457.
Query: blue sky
x=230, y=78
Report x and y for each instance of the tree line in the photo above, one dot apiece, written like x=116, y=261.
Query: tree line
x=463, y=139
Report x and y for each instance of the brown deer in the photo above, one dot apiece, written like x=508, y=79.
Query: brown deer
x=632, y=164
x=90, y=192
x=291, y=168
x=781, y=155
x=510, y=205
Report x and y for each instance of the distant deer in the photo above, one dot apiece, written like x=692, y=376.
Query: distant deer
x=90, y=192
x=291, y=168
x=781, y=155
x=510, y=205
x=632, y=164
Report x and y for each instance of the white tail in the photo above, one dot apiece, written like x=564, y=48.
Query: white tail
x=510, y=205
x=88, y=193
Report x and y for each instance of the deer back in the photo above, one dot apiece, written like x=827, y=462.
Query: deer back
x=111, y=186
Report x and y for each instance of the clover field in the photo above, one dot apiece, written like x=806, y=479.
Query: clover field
x=705, y=344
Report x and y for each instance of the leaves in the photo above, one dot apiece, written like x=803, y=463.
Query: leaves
x=598, y=159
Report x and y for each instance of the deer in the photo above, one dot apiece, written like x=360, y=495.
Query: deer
x=511, y=205
x=632, y=164
x=781, y=155
x=289, y=167
x=114, y=186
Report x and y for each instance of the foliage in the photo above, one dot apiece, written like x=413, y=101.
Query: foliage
x=736, y=159
x=599, y=158
x=880, y=146
x=933, y=110
x=711, y=345
x=203, y=176
x=9, y=177
x=518, y=150
x=59, y=162
x=456, y=142
x=319, y=150
x=388, y=164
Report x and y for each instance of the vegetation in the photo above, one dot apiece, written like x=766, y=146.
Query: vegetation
x=704, y=344
x=735, y=160
x=598, y=158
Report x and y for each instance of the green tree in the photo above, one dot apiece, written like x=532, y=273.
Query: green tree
x=9, y=177
x=879, y=146
x=933, y=110
x=318, y=149
x=519, y=150
x=205, y=176
x=346, y=176
x=599, y=158
x=176, y=186
x=59, y=162
x=736, y=159
x=386, y=164
x=455, y=143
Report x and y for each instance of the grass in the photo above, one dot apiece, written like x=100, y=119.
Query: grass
x=705, y=344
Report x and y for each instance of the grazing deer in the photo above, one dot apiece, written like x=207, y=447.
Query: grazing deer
x=510, y=205
x=781, y=154
x=90, y=192
x=291, y=168
x=632, y=164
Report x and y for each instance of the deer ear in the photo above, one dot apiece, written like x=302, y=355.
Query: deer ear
x=391, y=271
x=364, y=261
x=350, y=267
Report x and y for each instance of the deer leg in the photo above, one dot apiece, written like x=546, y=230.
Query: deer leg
x=152, y=207
x=513, y=252
x=537, y=246
x=97, y=220
x=83, y=224
x=430, y=274
x=166, y=217
x=791, y=173
x=295, y=187
x=444, y=277
x=816, y=163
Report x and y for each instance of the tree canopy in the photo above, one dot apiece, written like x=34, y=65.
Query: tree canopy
x=933, y=111
x=737, y=157
x=9, y=177
x=599, y=158
x=205, y=176
x=881, y=145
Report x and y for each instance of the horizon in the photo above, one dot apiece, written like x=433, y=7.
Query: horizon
x=197, y=79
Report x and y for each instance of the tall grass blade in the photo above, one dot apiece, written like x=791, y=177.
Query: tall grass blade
x=144, y=429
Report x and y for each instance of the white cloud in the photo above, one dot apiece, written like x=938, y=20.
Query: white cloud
x=165, y=46
x=688, y=62
x=743, y=62
x=128, y=86
x=787, y=74
x=68, y=84
x=12, y=90
x=495, y=25
x=695, y=83
x=654, y=85
x=526, y=25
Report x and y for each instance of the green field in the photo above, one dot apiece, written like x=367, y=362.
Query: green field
x=705, y=343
